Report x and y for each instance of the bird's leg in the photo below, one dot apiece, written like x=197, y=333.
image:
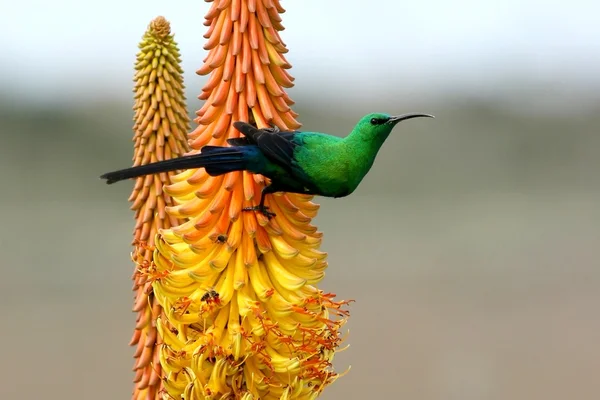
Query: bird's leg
x=261, y=205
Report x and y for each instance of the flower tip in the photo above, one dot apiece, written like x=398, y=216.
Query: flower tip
x=160, y=27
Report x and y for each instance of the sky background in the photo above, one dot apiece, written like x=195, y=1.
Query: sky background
x=69, y=49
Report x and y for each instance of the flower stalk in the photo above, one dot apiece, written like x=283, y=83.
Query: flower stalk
x=242, y=317
x=160, y=127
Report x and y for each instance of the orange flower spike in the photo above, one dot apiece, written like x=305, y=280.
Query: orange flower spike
x=241, y=318
x=160, y=126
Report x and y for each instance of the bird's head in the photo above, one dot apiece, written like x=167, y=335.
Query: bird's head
x=380, y=125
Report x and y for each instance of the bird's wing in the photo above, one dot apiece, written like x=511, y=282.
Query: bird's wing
x=244, y=141
x=239, y=142
x=276, y=145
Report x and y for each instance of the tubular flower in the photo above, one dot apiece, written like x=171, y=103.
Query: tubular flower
x=160, y=128
x=242, y=317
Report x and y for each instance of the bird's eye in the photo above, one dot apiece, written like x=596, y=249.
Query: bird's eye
x=378, y=121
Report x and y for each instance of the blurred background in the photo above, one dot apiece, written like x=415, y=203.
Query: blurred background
x=471, y=249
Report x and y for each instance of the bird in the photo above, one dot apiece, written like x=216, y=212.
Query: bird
x=310, y=163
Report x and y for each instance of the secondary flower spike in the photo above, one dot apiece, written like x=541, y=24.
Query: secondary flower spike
x=160, y=127
x=296, y=162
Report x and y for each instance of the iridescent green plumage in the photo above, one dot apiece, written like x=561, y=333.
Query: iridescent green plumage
x=295, y=162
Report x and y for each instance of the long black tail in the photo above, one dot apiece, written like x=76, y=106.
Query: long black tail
x=216, y=160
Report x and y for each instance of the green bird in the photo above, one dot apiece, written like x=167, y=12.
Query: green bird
x=296, y=162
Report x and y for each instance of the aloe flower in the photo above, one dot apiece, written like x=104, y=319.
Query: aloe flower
x=160, y=128
x=242, y=316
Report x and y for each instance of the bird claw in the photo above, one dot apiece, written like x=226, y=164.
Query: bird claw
x=263, y=210
x=272, y=129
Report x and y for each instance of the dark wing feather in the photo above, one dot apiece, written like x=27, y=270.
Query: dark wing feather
x=274, y=144
x=239, y=142
x=247, y=130
x=244, y=141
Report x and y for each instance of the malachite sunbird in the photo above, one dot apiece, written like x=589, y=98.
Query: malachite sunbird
x=296, y=162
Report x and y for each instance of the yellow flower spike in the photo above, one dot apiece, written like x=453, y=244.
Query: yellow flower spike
x=241, y=318
x=160, y=127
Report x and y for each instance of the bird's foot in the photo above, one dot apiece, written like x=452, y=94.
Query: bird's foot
x=272, y=129
x=264, y=210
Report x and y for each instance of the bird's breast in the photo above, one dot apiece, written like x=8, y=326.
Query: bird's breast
x=337, y=181
x=329, y=163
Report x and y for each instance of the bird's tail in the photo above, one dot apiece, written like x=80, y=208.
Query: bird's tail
x=216, y=160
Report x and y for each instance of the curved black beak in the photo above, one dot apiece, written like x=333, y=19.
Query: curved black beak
x=403, y=117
